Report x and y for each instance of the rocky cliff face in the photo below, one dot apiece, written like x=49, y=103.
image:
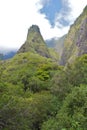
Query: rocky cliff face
x=76, y=40
x=34, y=42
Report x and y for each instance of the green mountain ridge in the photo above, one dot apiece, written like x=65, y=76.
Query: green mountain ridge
x=76, y=41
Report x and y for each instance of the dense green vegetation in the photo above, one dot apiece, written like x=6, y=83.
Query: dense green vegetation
x=37, y=94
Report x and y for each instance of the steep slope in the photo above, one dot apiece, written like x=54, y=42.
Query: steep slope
x=34, y=42
x=56, y=46
x=60, y=45
x=76, y=40
x=56, y=43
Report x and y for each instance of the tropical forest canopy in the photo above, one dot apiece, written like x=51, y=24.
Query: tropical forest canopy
x=43, y=89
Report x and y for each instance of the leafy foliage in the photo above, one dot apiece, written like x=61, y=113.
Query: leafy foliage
x=38, y=94
x=73, y=114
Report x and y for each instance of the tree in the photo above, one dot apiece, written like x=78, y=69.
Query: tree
x=72, y=115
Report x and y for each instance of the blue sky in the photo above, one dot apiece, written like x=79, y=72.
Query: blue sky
x=54, y=18
x=51, y=9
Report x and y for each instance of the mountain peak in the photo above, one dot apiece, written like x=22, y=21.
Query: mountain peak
x=34, y=28
x=34, y=42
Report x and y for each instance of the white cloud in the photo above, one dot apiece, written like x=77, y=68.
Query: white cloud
x=44, y=2
x=16, y=16
x=70, y=10
x=77, y=7
x=64, y=14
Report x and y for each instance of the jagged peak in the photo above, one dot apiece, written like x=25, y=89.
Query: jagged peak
x=34, y=42
x=34, y=28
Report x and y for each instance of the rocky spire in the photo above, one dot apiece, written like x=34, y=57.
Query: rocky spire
x=35, y=42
